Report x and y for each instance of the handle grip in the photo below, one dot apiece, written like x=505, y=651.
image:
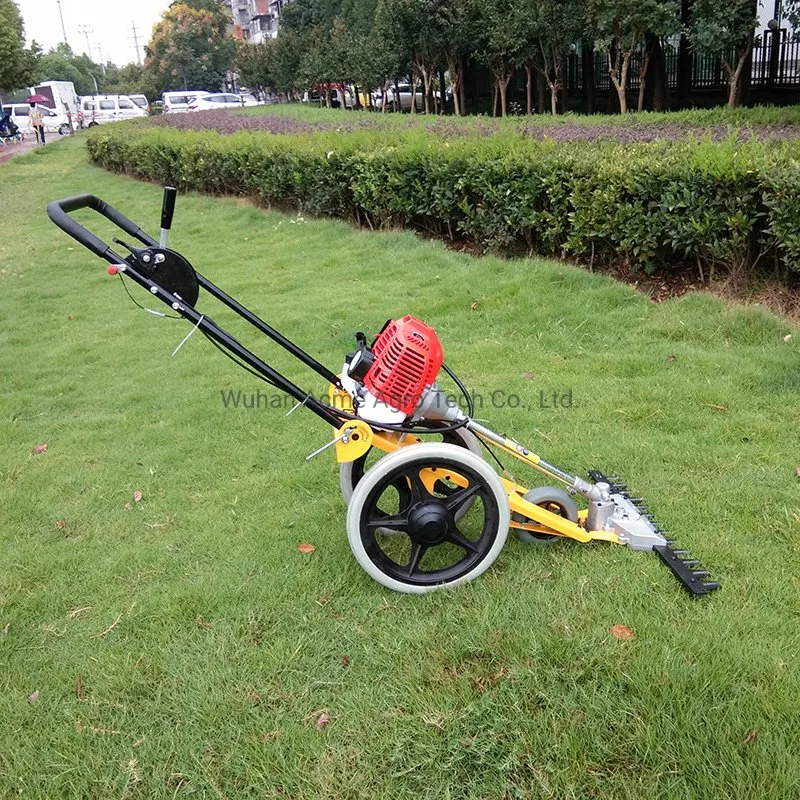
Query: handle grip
x=168, y=207
x=59, y=211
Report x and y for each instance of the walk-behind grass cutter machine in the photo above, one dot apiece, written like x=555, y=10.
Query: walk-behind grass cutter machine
x=428, y=514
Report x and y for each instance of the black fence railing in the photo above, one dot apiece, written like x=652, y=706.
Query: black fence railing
x=775, y=62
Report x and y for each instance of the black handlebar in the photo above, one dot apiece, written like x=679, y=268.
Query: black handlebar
x=59, y=211
x=168, y=207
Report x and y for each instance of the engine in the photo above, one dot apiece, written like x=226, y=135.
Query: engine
x=395, y=377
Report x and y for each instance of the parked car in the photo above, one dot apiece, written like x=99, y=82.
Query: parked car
x=141, y=101
x=220, y=100
x=249, y=100
x=337, y=94
x=97, y=109
x=53, y=121
x=405, y=98
x=178, y=102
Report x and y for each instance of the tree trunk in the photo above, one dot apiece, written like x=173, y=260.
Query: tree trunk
x=494, y=99
x=456, y=67
x=643, y=79
x=657, y=84
x=426, y=89
x=414, y=87
x=621, y=82
x=553, y=98
x=529, y=86
x=735, y=75
x=684, y=77
x=502, y=77
x=541, y=92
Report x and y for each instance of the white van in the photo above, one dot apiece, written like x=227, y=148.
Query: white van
x=97, y=109
x=178, y=102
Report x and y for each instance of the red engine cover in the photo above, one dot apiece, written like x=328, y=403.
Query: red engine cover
x=407, y=359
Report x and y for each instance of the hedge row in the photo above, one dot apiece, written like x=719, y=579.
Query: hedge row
x=697, y=204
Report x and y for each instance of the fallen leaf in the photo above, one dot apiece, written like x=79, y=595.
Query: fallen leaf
x=61, y=523
x=750, y=737
x=70, y=317
x=672, y=357
x=528, y=376
x=6, y=628
x=345, y=661
x=306, y=548
x=788, y=337
x=137, y=496
x=32, y=698
x=621, y=632
x=79, y=693
x=474, y=306
x=322, y=720
x=40, y=448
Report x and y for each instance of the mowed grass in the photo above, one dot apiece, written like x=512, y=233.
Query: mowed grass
x=181, y=646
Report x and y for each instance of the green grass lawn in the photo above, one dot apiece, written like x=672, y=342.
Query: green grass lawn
x=181, y=646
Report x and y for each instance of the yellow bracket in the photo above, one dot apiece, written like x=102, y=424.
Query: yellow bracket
x=358, y=440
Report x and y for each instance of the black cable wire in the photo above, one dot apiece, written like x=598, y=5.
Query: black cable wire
x=336, y=411
x=137, y=303
x=412, y=428
x=493, y=455
x=238, y=362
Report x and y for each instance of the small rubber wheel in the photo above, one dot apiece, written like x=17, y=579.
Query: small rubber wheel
x=553, y=499
x=63, y=130
x=413, y=540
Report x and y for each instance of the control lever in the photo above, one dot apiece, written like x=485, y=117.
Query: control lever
x=167, y=210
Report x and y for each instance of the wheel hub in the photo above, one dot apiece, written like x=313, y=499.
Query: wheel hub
x=429, y=522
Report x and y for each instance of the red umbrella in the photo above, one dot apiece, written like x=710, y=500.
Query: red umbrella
x=38, y=98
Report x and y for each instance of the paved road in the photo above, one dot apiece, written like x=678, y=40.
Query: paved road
x=8, y=151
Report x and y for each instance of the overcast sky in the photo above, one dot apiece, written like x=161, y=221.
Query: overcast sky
x=110, y=23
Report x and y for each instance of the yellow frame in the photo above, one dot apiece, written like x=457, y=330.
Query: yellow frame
x=543, y=521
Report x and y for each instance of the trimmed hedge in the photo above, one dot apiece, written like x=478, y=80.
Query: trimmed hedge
x=698, y=204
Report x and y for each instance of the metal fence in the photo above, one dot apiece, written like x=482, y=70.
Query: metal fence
x=775, y=62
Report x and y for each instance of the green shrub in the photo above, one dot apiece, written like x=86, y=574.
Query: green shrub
x=700, y=204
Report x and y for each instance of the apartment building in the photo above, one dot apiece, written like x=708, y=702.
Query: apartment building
x=254, y=20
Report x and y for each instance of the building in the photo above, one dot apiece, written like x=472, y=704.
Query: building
x=254, y=20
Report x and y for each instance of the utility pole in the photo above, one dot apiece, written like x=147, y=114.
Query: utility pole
x=63, y=29
x=85, y=30
x=102, y=60
x=135, y=38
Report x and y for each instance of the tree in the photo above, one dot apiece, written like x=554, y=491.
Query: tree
x=415, y=28
x=253, y=65
x=725, y=29
x=550, y=29
x=14, y=64
x=190, y=47
x=460, y=28
x=284, y=64
x=619, y=28
x=501, y=46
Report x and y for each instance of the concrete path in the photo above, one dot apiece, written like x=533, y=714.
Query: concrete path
x=8, y=151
